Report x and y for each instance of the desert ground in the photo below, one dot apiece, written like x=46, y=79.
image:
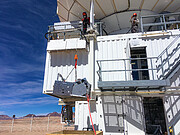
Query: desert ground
x=33, y=126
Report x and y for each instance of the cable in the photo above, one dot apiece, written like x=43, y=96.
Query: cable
x=59, y=75
x=69, y=73
x=90, y=115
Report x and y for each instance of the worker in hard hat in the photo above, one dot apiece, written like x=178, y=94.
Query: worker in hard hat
x=86, y=21
x=134, y=23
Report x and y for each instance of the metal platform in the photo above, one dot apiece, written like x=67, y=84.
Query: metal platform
x=133, y=85
x=73, y=132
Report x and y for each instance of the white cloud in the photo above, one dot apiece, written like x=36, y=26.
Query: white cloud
x=2, y=112
x=25, y=89
x=32, y=101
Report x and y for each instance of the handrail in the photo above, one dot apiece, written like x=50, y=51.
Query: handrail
x=125, y=70
x=164, y=51
x=158, y=66
x=163, y=22
x=166, y=14
x=71, y=27
x=128, y=59
x=166, y=59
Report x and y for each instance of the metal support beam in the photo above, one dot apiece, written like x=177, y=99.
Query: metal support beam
x=92, y=14
x=134, y=83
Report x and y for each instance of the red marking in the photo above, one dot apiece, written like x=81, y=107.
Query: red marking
x=75, y=64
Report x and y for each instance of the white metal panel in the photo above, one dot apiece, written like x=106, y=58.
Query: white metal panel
x=177, y=128
x=155, y=46
x=98, y=12
x=63, y=62
x=68, y=44
x=46, y=75
x=108, y=110
x=121, y=4
x=66, y=3
x=161, y=5
x=172, y=111
x=78, y=10
x=148, y=4
x=133, y=130
x=85, y=5
x=108, y=22
x=63, y=25
x=108, y=50
x=107, y=9
x=82, y=117
x=135, y=4
x=134, y=120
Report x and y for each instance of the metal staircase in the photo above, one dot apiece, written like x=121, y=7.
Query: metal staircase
x=169, y=59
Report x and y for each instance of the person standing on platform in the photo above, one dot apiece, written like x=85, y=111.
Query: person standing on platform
x=86, y=21
x=134, y=23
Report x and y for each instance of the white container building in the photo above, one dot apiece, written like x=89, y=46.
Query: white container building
x=135, y=77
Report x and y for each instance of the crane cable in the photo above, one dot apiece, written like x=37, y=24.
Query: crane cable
x=88, y=99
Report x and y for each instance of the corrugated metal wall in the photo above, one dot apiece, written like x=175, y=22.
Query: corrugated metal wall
x=106, y=48
x=112, y=115
x=117, y=48
x=155, y=46
x=82, y=117
x=63, y=62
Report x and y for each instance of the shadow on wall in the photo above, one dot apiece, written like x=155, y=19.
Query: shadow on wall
x=172, y=111
x=93, y=110
x=175, y=79
x=66, y=58
x=117, y=109
x=172, y=102
x=133, y=111
x=89, y=125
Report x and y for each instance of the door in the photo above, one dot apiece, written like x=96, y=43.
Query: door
x=139, y=62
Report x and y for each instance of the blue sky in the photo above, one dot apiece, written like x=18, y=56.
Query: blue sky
x=23, y=24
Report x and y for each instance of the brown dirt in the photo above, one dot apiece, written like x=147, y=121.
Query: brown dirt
x=39, y=126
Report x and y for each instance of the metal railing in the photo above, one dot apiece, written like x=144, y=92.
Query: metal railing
x=155, y=68
x=168, y=58
x=125, y=69
x=69, y=30
x=161, y=22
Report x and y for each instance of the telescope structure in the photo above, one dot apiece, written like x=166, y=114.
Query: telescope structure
x=129, y=82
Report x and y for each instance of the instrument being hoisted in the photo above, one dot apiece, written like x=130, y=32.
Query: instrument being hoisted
x=64, y=89
x=69, y=92
x=79, y=88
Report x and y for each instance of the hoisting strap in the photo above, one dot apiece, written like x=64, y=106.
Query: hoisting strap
x=90, y=114
x=75, y=66
x=76, y=58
